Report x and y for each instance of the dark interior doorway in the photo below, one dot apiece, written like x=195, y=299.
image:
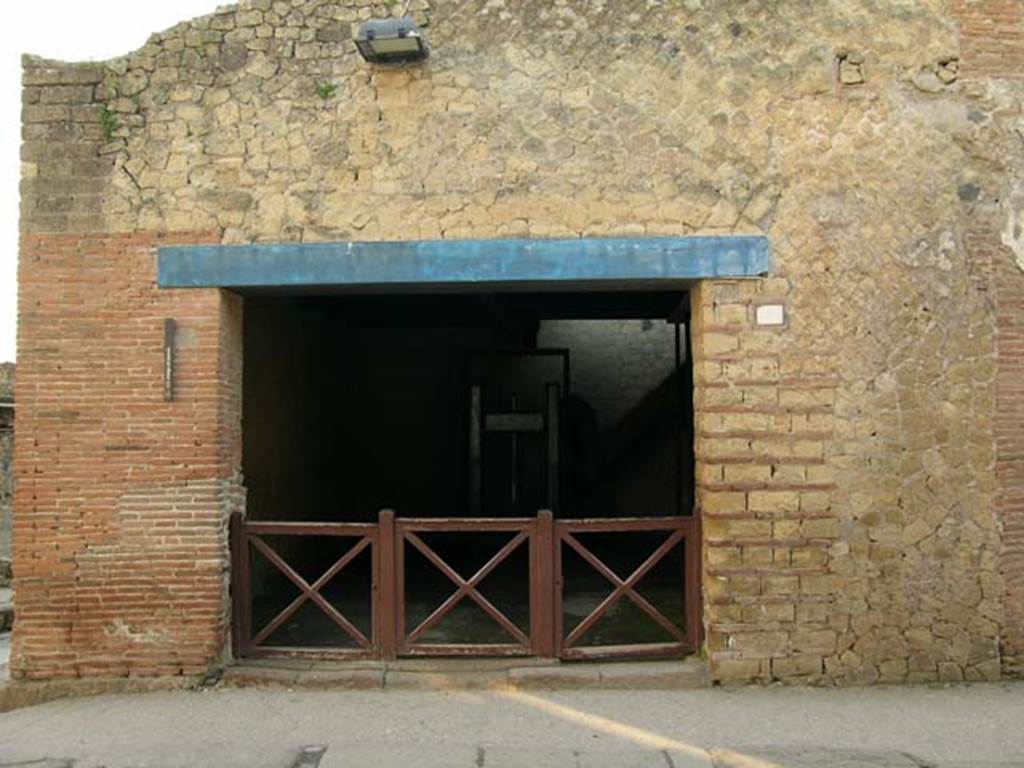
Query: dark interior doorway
x=440, y=406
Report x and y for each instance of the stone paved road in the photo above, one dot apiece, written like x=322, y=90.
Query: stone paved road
x=961, y=727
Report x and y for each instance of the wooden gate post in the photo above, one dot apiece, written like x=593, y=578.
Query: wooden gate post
x=693, y=593
x=542, y=577
x=235, y=544
x=241, y=586
x=386, y=604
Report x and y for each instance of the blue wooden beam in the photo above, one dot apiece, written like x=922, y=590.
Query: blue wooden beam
x=463, y=262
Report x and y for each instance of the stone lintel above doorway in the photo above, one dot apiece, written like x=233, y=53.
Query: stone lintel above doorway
x=464, y=263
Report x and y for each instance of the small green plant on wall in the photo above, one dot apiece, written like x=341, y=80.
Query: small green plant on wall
x=326, y=90
x=109, y=123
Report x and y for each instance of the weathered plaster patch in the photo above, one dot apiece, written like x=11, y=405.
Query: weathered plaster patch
x=121, y=629
x=1013, y=232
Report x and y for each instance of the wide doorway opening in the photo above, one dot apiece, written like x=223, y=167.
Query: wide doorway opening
x=467, y=415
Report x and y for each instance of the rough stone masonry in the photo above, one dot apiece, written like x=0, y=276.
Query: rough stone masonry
x=860, y=467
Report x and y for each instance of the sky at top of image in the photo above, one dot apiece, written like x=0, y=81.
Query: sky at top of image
x=68, y=30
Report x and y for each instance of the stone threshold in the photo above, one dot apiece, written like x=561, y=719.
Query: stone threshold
x=404, y=674
x=438, y=674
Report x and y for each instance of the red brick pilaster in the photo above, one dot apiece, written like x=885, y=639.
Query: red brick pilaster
x=121, y=498
x=1009, y=423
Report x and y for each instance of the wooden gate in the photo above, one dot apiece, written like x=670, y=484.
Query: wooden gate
x=522, y=532
x=678, y=535
x=388, y=631
x=250, y=539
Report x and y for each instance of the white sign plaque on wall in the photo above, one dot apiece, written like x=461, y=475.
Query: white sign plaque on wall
x=771, y=314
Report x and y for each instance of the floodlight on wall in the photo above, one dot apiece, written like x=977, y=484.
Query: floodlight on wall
x=387, y=41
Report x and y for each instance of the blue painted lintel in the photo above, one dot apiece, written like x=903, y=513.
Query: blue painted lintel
x=463, y=262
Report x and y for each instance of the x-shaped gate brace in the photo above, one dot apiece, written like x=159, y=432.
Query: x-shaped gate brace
x=387, y=540
x=311, y=591
x=466, y=588
x=623, y=588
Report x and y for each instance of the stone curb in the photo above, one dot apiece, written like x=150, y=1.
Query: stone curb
x=416, y=676
x=439, y=676
x=22, y=694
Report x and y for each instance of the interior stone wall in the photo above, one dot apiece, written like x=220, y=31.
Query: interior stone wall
x=615, y=363
x=856, y=522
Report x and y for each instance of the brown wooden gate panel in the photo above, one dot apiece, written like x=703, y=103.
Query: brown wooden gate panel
x=524, y=533
x=250, y=537
x=678, y=531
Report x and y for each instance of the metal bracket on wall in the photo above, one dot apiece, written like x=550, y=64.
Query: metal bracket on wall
x=169, y=333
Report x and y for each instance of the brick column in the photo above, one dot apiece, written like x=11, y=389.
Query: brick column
x=121, y=500
x=764, y=489
x=1007, y=286
x=1010, y=451
x=992, y=43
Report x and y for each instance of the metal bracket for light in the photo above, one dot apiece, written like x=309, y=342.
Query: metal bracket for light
x=170, y=331
x=388, y=41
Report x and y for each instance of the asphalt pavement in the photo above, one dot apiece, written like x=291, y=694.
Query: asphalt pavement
x=975, y=726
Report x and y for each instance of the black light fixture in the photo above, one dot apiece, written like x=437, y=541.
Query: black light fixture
x=388, y=41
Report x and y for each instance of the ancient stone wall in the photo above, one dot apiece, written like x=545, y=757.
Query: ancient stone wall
x=861, y=490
